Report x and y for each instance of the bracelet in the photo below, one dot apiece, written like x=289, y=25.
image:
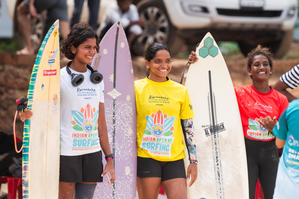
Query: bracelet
x=193, y=161
x=109, y=156
x=110, y=159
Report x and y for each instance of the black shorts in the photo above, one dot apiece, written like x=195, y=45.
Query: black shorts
x=148, y=167
x=81, y=168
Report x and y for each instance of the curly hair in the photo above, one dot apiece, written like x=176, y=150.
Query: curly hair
x=79, y=34
x=259, y=50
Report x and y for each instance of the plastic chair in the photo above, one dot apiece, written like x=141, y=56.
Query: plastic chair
x=161, y=190
x=14, y=185
x=258, y=191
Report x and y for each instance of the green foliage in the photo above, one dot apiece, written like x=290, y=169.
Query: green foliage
x=290, y=56
x=9, y=45
x=228, y=48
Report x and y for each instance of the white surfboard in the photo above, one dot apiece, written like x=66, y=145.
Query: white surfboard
x=222, y=167
x=41, y=136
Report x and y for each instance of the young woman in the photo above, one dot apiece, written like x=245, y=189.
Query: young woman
x=81, y=89
x=163, y=109
x=260, y=106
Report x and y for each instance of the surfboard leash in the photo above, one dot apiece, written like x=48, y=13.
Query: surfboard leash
x=184, y=72
x=21, y=106
x=186, y=66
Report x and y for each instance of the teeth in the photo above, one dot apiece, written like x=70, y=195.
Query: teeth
x=261, y=72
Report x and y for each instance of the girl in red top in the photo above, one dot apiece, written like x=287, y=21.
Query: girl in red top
x=260, y=107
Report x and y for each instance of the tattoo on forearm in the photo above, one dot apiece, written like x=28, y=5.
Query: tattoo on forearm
x=189, y=131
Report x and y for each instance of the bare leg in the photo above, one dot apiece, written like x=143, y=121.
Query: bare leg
x=64, y=27
x=66, y=190
x=175, y=188
x=131, y=38
x=148, y=188
x=24, y=27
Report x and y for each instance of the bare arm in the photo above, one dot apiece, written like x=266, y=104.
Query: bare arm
x=104, y=141
x=282, y=88
x=280, y=143
x=32, y=9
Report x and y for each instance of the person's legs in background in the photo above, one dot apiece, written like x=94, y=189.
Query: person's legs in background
x=133, y=32
x=94, y=7
x=59, y=11
x=77, y=12
x=24, y=28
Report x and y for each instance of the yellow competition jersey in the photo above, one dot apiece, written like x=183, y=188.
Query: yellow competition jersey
x=160, y=108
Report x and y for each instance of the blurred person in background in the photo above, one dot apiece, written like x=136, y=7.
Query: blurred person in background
x=56, y=9
x=93, y=7
x=125, y=12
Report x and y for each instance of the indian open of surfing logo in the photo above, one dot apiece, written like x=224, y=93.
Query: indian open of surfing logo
x=88, y=126
x=292, y=141
x=159, y=124
x=157, y=138
x=85, y=119
x=157, y=130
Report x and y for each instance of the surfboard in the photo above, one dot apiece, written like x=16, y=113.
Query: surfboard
x=41, y=135
x=114, y=62
x=222, y=167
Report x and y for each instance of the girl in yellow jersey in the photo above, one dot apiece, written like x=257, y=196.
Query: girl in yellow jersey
x=163, y=109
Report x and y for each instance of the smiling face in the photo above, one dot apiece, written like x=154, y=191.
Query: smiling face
x=85, y=52
x=160, y=66
x=260, y=69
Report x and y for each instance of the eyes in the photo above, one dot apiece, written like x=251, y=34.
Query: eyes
x=259, y=64
x=91, y=48
x=160, y=61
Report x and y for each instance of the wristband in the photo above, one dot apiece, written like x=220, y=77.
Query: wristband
x=110, y=159
x=109, y=156
x=193, y=161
